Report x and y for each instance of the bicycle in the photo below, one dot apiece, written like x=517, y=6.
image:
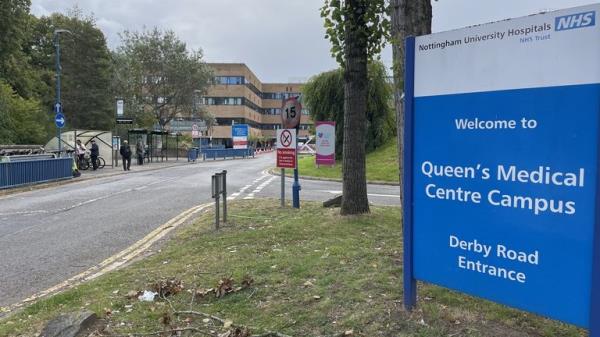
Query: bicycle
x=86, y=163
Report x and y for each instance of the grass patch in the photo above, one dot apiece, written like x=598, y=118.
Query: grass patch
x=315, y=273
x=382, y=165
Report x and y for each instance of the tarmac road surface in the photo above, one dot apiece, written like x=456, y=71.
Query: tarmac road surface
x=50, y=234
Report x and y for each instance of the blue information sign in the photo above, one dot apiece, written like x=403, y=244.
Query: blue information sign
x=239, y=135
x=501, y=193
x=239, y=130
x=58, y=108
x=59, y=120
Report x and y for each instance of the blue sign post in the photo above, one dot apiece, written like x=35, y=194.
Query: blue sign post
x=239, y=135
x=501, y=192
x=59, y=120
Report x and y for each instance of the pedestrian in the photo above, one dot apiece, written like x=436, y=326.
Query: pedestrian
x=125, y=152
x=139, y=151
x=94, y=153
x=80, y=152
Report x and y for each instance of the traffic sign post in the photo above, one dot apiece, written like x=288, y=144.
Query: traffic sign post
x=287, y=158
x=501, y=183
x=286, y=148
x=291, y=111
x=59, y=121
x=195, y=131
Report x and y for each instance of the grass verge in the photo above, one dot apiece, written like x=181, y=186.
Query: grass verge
x=382, y=165
x=315, y=274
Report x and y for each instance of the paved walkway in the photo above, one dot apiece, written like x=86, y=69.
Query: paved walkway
x=109, y=170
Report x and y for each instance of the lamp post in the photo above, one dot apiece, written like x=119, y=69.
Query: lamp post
x=58, y=104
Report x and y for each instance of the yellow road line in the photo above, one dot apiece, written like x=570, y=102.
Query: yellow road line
x=116, y=260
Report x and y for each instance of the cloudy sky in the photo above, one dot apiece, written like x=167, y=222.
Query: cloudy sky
x=280, y=40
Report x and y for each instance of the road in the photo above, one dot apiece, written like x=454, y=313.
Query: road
x=49, y=235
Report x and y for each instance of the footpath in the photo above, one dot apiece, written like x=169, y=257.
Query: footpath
x=109, y=171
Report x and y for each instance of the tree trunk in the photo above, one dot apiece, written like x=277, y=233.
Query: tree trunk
x=409, y=18
x=354, y=200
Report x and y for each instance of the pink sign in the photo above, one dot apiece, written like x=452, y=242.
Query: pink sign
x=325, y=143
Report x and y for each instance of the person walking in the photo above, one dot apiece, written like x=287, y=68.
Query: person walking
x=139, y=151
x=94, y=153
x=80, y=152
x=125, y=152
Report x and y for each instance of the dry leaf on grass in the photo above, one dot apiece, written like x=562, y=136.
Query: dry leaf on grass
x=167, y=287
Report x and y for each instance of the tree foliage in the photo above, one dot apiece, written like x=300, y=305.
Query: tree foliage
x=324, y=96
x=87, y=97
x=374, y=32
x=14, y=33
x=158, y=76
x=21, y=120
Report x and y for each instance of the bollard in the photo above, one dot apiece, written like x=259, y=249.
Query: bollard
x=282, y=188
x=219, y=187
x=224, y=188
x=216, y=193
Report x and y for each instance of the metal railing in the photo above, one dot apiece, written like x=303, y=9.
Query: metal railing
x=19, y=173
x=227, y=153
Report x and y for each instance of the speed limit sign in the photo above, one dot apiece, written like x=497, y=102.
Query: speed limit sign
x=290, y=113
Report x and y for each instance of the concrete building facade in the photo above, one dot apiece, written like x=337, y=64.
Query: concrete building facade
x=239, y=97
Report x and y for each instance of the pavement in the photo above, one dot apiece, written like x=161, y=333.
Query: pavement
x=48, y=235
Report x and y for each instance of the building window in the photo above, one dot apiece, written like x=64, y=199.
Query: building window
x=272, y=111
x=229, y=80
x=222, y=100
x=280, y=95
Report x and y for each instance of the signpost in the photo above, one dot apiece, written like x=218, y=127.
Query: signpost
x=239, y=134
x=59, y=120
x=195, y=131
x=120, y=106
x=124, y=120
x=291, y=111
x=286, y=148
x=501, y=164
x=286, y=155
x=325, y=142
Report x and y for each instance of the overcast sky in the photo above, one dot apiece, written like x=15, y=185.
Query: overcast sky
x=280, y=40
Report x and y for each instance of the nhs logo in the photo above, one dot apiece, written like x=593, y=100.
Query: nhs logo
x=580, y=20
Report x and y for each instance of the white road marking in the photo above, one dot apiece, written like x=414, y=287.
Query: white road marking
x=256, y=189
x=370, y=194
x=384, y=195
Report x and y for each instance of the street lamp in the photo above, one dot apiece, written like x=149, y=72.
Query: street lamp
x=57, y=104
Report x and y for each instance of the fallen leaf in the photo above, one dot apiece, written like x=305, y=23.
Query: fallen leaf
x=167, y=287
x=227, y=324
x=317, y=297
x=165, y=319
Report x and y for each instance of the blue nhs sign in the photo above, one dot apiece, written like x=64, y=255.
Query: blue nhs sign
x=579, y=20
x=502, y=174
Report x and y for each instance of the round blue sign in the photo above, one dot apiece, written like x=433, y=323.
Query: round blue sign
x=59, y=120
